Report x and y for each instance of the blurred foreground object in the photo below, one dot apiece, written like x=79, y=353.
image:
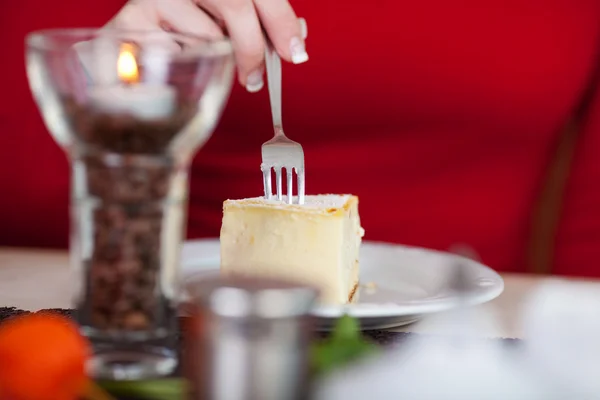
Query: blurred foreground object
x=345, y=346
x=42, y=357
x=248, y=339
x=562, y=326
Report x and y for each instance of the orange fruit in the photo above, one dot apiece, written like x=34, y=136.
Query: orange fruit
x=42, y=357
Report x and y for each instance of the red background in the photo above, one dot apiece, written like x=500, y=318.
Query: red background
x=441, y=116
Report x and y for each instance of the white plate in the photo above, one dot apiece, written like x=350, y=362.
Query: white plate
x=408, y=282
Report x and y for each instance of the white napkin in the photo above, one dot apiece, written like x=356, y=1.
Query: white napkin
x=453, y=366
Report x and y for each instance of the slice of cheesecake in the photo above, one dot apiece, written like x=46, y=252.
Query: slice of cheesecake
x=316, y=243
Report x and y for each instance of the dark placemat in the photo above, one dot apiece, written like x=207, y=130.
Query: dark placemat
x=382, y=337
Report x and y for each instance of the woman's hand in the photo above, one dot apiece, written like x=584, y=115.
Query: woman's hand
x=241, y=20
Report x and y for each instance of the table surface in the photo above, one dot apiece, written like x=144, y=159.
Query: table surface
x=34, y=279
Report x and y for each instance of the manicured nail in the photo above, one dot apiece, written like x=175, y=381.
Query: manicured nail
x=298, y=50
x=254, y=81
x=303, y=28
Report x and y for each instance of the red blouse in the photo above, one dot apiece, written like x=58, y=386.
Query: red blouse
x=441, y=116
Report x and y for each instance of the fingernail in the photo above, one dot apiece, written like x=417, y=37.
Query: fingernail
x=254, y=81
x=298, y=50
x=303, y=28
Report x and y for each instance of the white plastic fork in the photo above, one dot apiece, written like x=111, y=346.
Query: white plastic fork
x=280, y=152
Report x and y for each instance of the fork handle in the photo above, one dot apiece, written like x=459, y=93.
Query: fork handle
x=273, y=64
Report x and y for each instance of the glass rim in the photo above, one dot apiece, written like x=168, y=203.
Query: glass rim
x=38, y=39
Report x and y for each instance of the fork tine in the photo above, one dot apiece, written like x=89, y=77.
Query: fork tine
x=267, y=182
x=300, y=177
x=290, y=184
x=278, y=172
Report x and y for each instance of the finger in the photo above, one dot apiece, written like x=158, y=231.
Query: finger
x=303, y=28
x=184, y=17
x=142, y=17
x=284, y=29
x=248, y=44
x=211, y=7
x=134, y=16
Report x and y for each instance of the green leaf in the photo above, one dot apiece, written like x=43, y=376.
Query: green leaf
x=344, y=346
x=159, y=389
x=346, y=327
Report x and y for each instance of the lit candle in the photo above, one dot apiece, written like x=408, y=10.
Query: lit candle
x=144, y=101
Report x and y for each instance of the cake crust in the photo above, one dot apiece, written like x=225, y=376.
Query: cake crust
x=353, y=292
x=327, y=204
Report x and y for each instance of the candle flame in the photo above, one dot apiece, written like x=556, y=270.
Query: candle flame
x=127, y=67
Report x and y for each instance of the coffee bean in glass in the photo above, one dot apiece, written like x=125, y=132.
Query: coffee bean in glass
x=130, y=110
